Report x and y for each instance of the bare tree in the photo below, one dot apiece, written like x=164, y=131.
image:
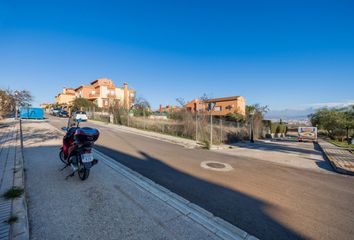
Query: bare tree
x=205, y=97
x=7, y=103
x=22, y=98
x=141, y=103
x=181, y=101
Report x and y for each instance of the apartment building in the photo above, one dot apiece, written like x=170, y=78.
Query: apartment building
x=65, y=97
x=221, y=106
x=104, y=93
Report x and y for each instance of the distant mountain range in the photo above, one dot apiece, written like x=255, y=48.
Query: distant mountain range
x=290, y=114
x=297, y=114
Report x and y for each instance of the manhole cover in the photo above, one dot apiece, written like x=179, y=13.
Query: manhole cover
x=216, y=166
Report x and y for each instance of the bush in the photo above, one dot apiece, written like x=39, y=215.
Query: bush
x=277, y=128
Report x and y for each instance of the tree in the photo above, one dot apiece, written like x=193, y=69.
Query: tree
x=22, y=98
x=236, y=117
x=141, y=107
x=79, y=103
x=254, y=115
x=7, y=103
x=334, y=121
x=10, y=99
x=181, y=101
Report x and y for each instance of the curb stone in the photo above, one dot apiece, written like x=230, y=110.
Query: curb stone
x=20, y=229
x=206, y=219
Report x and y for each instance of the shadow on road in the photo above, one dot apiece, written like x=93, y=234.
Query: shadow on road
x=269, y=146
x=244, y=211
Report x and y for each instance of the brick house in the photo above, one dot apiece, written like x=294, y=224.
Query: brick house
x=222, y=107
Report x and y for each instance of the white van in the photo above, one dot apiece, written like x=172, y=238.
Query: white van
x=307, y=134
x=80, y=115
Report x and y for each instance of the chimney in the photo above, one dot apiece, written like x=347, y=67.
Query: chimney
x=126, y=96
x=160, y=110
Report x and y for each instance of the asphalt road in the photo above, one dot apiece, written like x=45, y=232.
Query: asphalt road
x=268, y=200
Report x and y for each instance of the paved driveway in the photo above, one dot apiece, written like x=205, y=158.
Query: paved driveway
x=304, y=155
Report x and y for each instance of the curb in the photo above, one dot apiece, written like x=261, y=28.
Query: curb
x=20, y=229
x=206, y=219
x=333, y=163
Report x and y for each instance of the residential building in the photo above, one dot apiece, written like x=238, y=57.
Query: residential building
x=104, y=93
x=220, y=106
x=169, y=108
x=65, y=97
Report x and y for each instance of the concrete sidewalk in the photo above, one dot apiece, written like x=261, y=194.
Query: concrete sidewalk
x=113, y=203
x=341, y=159
x=12, y=175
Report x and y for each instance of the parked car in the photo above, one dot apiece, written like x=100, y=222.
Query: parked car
x=56, y=111
x=64, y=114
x=80, y=115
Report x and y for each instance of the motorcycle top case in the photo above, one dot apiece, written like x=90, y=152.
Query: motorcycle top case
x=86, y=134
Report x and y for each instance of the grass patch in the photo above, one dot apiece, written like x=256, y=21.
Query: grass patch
x=206, y=145
x=14, y=192
x=342, y=144
x=12, y=219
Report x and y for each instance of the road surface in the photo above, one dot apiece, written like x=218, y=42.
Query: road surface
x=268, y=200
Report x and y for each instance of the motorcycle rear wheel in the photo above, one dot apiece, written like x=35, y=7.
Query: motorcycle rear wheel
x=83, y=172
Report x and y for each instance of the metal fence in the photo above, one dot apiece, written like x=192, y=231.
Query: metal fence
x=201, y=127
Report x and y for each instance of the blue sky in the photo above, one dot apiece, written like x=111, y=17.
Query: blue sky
x=284, y=54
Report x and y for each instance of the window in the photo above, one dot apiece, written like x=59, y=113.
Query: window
x=217, y=108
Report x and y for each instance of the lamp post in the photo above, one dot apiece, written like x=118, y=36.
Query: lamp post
x=211, y=106
x=16, y=104
x=251, y=115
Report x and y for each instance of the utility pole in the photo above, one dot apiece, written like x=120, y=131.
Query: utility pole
x=144, y=116
x=211, y=129
x=211, y=107
x=252, y=119
x=16, y=104
x=196, y=126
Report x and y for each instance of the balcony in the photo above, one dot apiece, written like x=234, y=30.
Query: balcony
x=93, y=96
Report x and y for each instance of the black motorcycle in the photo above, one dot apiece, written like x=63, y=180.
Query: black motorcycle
x=77, y=149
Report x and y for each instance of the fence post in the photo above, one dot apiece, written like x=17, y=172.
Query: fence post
x=196, y=126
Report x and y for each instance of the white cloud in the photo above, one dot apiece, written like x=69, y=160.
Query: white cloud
x=332, y=104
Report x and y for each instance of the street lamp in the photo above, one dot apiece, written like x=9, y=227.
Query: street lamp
x=211, y=106
x=16, y=104
x=251, y=113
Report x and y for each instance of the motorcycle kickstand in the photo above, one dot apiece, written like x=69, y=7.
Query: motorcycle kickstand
x=66, y=165
x=71, y=175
